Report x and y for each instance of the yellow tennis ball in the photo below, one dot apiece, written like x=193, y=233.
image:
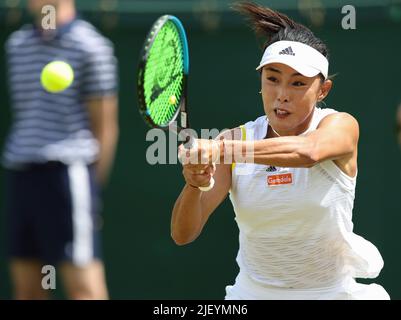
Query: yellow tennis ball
x=172, y=99
x=57, y=76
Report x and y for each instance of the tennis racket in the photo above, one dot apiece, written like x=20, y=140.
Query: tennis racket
x=162, y=79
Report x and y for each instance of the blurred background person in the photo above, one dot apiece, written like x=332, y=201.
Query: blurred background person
x=58, y=153
x=398, y=124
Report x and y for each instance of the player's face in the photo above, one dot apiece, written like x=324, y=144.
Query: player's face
x=289, y=98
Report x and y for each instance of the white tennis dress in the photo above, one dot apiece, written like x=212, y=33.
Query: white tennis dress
x=296, y=239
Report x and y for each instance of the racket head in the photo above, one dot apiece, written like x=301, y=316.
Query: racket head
x=162, y=73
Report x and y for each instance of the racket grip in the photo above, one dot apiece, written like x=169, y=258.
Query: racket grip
x=209, y=187
x=191, y=143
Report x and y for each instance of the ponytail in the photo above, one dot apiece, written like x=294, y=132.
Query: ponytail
x=275, y=26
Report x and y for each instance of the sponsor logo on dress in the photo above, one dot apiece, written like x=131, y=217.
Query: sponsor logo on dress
x=279, y=179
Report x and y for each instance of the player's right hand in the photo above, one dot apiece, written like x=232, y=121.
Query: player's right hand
x=198, y=175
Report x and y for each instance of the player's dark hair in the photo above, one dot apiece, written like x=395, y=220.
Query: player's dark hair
x=277, y=26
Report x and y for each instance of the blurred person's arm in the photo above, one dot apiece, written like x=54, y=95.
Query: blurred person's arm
x=103, y=113
x=99, y=88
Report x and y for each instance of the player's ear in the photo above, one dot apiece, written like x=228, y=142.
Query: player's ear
x=325, y=89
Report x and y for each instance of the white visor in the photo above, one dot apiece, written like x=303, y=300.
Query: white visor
x=299, y=56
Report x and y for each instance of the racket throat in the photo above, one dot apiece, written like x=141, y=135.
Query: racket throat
x=184, y=135
x=184, y=119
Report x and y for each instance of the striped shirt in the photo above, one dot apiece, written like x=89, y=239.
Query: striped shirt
x=48, y=126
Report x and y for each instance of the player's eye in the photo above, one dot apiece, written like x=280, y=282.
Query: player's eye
x=298, y=84
x=272, y=79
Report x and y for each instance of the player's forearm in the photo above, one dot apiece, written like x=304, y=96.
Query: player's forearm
x=186, y=221
x=282, y=151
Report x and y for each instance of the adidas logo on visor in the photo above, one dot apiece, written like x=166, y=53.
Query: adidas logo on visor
x=287, y=51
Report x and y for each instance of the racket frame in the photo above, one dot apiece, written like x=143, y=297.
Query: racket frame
x=182, y=109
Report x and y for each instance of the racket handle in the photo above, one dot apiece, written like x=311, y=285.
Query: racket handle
x=191, y=143
x=209, y=187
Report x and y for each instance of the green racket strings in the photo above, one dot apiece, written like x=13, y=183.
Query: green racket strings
x=164, y=75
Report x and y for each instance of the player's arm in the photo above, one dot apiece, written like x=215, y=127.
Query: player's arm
x=336, y=138
x=103, y=114
x=193, y=207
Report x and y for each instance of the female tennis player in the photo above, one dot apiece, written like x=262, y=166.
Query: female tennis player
x=294, y=203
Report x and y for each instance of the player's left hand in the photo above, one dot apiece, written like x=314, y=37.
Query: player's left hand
x=204, y=151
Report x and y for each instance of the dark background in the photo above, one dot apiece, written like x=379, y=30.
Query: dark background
x=142, y=261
